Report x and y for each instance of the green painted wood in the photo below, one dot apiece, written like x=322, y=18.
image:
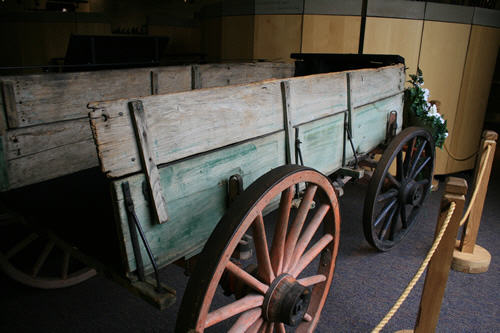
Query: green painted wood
x=369, y=122
x=196, y=197
x=322, y=142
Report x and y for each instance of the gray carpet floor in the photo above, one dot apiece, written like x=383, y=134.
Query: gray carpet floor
x=366, y=284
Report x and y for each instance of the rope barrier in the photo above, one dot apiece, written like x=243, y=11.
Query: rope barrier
x=458, y=159
x=479, y=180
x=419, y=273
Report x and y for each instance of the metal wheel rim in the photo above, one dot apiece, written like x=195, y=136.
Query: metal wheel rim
x=194, y=312
x=385, y=234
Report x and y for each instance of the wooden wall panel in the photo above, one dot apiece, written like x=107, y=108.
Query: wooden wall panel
x=182, y=39
x=237, y=37
x=394, y=36
x=442, y=60
x=277, y=36
x=476, y=84
x=331, y=34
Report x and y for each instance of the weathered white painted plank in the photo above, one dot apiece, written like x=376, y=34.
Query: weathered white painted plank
x=32, y=140
x=369, y=85
x=218, y=75
x=183, y=124
x=317, y=96
x=51, y=163
x=45, y=98
x=196, y=192
x=172, y=79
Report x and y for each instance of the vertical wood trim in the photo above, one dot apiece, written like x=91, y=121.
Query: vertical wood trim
x=195, y=77
x=439, y=266
x=469, y=236
x=154, y=83
x=362, y=27
x=9, y=101
x=150, y=169
x=287, y=121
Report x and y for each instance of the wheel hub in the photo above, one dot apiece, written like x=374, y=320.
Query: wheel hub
x=412, y=193
x=286, y=301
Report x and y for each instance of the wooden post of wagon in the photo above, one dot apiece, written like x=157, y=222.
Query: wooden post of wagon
x=470, y=257
x=439, y=266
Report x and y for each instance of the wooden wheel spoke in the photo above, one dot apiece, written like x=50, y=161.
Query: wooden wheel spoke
x=278, y=245
x=400, y=167
x=417, y=158
x=408, y=156
x=43, y=257
x=394, y=222
x=280, y=328
x=420, y=167
x=312, y=280
x=387, y=223
x=65, y=265
x=265, y=269
x=384, y=211
x=21, y=245
x=393, y=180
x=255, y=328
x=297, y=225
x=403, y=216
x=423, y=182
x=391, y=193
x=308, y=233
x=246, y=320
x=269, y=327
x=312, y=253
x=247, y=278
x=243, y=304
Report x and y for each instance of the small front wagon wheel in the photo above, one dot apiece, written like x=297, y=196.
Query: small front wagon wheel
x=393, y=201
x=286, y=285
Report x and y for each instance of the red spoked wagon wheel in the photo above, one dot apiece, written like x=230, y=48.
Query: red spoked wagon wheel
x=287, y=283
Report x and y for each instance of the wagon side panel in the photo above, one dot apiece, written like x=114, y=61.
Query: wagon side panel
x=196, y=193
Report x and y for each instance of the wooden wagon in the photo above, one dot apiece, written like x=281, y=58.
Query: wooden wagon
x=238, y=172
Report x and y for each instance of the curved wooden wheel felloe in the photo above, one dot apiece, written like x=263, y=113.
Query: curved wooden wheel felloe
x=287, y=282
x=392, y=202
x=37, y=259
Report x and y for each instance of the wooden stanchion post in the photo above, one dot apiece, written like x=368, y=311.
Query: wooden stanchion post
x=470, y=257
x=439, y=266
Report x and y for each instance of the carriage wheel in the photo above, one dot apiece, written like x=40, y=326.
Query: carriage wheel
x=38, y=260
x=286, y=284
x=392, y=202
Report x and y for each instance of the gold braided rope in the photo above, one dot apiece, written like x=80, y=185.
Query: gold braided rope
x=419, y=273
x=479, y=180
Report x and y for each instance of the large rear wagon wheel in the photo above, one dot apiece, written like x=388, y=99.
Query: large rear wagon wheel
x=393, y=202
x=287, y=284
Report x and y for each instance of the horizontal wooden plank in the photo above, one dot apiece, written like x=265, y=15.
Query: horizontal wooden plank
x=195, y=189
x=317, y=96
x=52, y=163
x=369, y=85
x=369, y=123
x=219, y=75
x=187, y=123
x=32, y=140
x=172, y=79
x=322, y=143
x=45, y=98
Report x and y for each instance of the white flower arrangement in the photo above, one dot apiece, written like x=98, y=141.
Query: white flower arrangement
x=424, y=112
